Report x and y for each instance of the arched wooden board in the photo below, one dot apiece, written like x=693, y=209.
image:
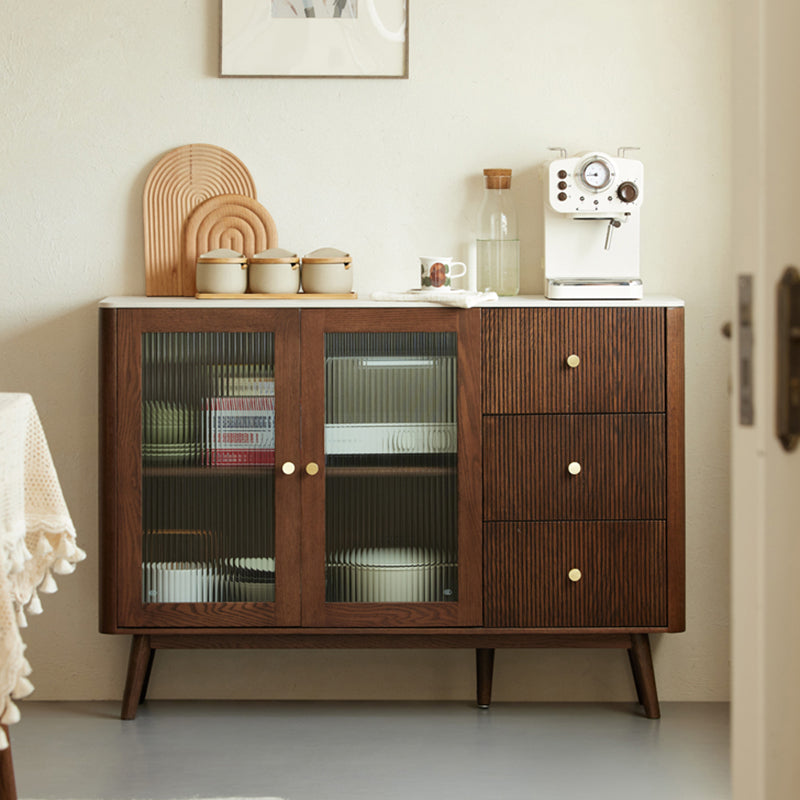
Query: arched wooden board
x=179, y=182
x=231, y=221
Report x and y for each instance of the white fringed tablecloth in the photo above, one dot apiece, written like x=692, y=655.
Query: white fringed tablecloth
x=37, y=539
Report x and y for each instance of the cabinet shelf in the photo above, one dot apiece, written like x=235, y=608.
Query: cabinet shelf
x=389, y=472
x=206, y=472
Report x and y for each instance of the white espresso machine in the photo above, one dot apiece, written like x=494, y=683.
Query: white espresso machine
x=591, y=226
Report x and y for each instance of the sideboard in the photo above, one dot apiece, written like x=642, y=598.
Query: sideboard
x=374, y=475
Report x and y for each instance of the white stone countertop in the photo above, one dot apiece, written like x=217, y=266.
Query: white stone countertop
x=504, y=302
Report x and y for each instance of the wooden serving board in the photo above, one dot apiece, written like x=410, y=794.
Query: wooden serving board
x=294, y=296
x=179, y=182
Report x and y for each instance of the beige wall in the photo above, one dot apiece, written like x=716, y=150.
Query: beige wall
x=92, y=94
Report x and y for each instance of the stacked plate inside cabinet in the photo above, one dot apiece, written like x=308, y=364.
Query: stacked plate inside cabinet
x=391, y=575
x=249, y=579
x=169, y=433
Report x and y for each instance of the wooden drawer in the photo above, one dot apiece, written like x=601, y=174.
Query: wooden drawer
x=622, y=574
x=525, y=351
x=621, y=458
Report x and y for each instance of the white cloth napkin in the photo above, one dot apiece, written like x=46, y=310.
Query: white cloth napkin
x=37, y=539
x=459, y=298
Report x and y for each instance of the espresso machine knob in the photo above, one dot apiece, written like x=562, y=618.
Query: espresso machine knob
x=627, y=191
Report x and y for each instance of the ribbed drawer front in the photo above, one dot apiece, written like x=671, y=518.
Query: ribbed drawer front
x=621, y=354
x=621, y=580
x=526, y=461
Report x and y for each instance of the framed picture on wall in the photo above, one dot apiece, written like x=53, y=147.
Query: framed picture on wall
x=314, y=38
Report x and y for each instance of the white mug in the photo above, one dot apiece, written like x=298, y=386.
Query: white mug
x=435, y=273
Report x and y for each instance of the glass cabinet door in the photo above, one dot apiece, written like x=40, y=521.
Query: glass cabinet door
x=394, y=527
x=210, y=528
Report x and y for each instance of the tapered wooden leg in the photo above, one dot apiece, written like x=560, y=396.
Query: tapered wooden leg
x=635, y=676
x=146, y=681
x=139, y=663
x=8, y=786
x=643, y=675
x=484, y=670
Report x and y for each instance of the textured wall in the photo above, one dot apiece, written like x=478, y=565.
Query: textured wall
x=91, y=95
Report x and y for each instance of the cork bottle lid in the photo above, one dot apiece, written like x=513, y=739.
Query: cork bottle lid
x=497, y=178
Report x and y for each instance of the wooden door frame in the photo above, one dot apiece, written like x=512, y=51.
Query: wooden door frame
x=764, y=641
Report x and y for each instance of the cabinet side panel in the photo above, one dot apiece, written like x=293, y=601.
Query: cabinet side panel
x=108, y=469
x=676, y=475
x=128, y=490
x=620, y=351
x=620, y=580
x=469, y=469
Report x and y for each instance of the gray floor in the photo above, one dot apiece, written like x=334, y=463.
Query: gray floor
x=380, y=751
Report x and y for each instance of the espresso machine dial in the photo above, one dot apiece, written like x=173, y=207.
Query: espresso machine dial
x=627, y=191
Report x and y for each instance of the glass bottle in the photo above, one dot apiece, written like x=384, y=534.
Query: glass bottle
x=497, y=244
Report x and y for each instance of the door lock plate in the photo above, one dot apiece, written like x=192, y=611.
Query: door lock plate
x=788, y=372
x=744, y=324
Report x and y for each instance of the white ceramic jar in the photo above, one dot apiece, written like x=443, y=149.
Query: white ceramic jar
x=221, y=272
x=274, y=271
x=327, y=271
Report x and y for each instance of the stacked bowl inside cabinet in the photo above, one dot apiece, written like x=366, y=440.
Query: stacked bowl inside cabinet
x=391, y=575
x=177, y=582
x=233, y=580
x=169, y=433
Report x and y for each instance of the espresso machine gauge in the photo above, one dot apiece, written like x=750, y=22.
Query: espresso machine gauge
x=596, y=173
x=591, y=226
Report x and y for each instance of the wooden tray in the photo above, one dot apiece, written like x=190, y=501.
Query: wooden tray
x=294, y=296
x=232, y=221
x=178, y=183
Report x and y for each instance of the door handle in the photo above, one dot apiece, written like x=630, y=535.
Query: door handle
x=788, y=372
x=744, y=324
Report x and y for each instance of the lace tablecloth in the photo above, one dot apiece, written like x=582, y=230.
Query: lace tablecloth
x=37, y=539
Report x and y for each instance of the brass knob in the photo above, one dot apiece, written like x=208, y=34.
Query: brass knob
x=574, y=575
x=573, y=360
x=312, y=468
x=287, y=468
x=574, y=468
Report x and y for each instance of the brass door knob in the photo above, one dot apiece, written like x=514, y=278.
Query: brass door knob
x=574, y=575
x=312, y=468
x=573, y=360
x=574, y=468
x=287, y=468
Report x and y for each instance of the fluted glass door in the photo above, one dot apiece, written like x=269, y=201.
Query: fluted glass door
x=208, y=478
x=391, y=467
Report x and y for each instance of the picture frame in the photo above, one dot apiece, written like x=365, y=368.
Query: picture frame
x=314, y=38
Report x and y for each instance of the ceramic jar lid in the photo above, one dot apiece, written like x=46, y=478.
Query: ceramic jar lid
x=328, y=255
x=223, y=256
x=275, y=255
